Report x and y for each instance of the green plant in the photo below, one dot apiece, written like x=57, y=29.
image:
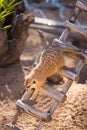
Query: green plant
x=7, y=7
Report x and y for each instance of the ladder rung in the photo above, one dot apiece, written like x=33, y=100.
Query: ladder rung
x=68, y=74
x=74, y=28
x=82, y=5
x=28, y=108
x=79, y=66
x=59, y=96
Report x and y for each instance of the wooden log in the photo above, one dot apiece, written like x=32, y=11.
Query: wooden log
x=12, y=127
x=79, y=67
x=41, y=123
x=67, y=86
x=29, y=109
x=75, y=15
x=69, y=82
x=48, y=22
x=53, y=106
x=26, y=96
x=60, y=97
x=54, y=24
x=63, y=47
x=68, y=74
x=64, y=35
x=75, y=29
x=82, y=5
x=51, y=109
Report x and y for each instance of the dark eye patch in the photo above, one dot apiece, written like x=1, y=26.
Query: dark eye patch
x=34, y=82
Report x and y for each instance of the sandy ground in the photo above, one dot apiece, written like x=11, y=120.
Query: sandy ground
x=72, y=115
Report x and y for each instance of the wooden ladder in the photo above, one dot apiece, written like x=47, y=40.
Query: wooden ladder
x=58, y=96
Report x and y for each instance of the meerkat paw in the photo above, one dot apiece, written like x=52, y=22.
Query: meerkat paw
x=34, y=95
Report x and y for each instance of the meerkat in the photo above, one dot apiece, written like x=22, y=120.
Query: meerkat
x=51, y=60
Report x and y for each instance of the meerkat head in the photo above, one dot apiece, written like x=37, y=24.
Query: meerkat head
x=29, y=82
x=34, y=84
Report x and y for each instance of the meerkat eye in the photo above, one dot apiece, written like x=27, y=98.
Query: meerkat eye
x=34, y=82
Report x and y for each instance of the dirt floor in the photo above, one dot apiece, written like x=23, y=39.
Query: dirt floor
x=72, y=115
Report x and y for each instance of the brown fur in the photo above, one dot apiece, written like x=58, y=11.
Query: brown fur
x=51, y=61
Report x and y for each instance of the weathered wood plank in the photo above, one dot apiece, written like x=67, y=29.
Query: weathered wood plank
x=75, y=29
x=53, y=93
x=82, y=5
x=68, y=74
x=28, y=108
